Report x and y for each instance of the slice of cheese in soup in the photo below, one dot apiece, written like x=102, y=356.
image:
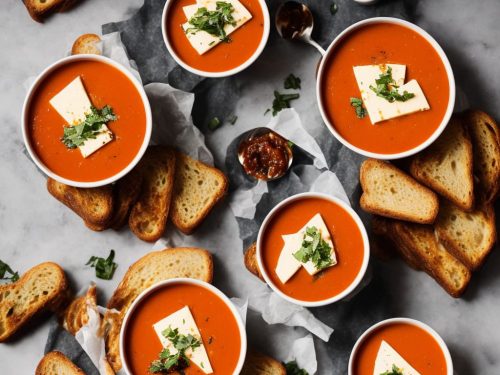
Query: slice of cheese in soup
x=387, y=357
x=183, y=321
x=73, y=104
x=201, y=40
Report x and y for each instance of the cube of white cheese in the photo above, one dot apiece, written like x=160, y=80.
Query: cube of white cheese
x=387, y=357
x=73, y=104
x=288, y=265
x=202, y=41
x=379, y=109
x=183, y=320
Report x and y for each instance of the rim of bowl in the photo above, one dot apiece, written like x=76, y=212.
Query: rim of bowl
x=226, y=73
x=414, y=322
x=25, y=120
x=359, y=224
x=185, y=280
x=439, y=51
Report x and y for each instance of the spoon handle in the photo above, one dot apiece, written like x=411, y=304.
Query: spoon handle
x=317, y=46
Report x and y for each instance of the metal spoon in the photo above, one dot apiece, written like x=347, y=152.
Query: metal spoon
x=295, y=21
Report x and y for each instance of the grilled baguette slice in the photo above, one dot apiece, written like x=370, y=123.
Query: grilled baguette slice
x=43, y=287
x=197, y=188
x=152, y=268
x=148, y=216
x=435, y=260
x=93, y=205
x=261, y=364
x=56, y=363
x=485, y=136
x=39, y=9
x=126, y=193
x=250, y=259
x=469, y=236
x=389, y=192
x=446, y=166
x=86, y=44
x=75, y=316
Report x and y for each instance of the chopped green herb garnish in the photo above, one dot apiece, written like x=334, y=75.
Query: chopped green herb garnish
x=76, y=135
x=6, y=273
x=214, y=123
x=386, y=88
x=168, y=362
x=357, y=104
x=104, y=268
x=333, y=8
x=213, y=21
x=232, y=120
x=292, y=82
x=293, y=369
x=395, y=371
x=314, y=248
x=282, y=101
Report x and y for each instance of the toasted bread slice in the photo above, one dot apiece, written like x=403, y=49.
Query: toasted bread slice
x=75, y=316
x=148, y=216
x=485, y=136
x=389, y=192
x=197, y=188
x=435, y=260
x=469, y=236
x=112, y=323
x=93, y=205
x=446, y=166
x=261, y=364
x=39, y=9
x=86, y=44
x=56, y=363
x=126, y=193
x=43, y=287
x=250, y=258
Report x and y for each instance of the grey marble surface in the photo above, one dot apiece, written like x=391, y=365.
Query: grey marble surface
x=36, y=228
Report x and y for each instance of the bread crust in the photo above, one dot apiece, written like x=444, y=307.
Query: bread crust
x=86, y=43
x=54, y=361
x=250, y=259
x=76, y=316
x=261, y=364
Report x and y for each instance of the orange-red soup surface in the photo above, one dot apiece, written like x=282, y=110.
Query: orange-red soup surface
x=224, y=56
x=217, y=325
x=346, y=238
x=384, y=43
x=414, y=344
x=105, y=85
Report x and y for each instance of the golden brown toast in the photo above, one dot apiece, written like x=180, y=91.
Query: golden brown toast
x=148, y=216
x=43, y=287
x=75, y=316
x=126, y=192
x=86, y=44
x=40, y=9
x=261, y=364
x=250, y=259
x=197, y=188
x=56, y=363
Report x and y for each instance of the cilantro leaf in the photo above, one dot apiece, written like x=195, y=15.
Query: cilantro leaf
x=214, y=123
x=293, y=369
x=358, y=107
x=6, y=273
x=386, y=88
x=315, y=249
x=292, y=82
x=104, y=268
x=214, y=21
x=282, y=101
x=395, y=371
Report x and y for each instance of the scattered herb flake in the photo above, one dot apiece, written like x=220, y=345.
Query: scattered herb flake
x=395, y=371
x=292, y=82
x=213, y=21
x=357, y=104
x=104, y=268
x=333, y=8
x=232, y=120
x=314, y=248
x=282, y=101
x=386, y=88
x=214, y=123
x=293, y=369
x=6, y=273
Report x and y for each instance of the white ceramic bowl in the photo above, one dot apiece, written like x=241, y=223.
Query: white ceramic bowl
x=383, y=323
x=25, y=120
x=209, y=287
x=246, y=64
x=437, y=48
x=364, y=235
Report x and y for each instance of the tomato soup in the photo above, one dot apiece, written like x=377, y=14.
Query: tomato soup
x=105, y=85
x=217, y=325
x=378, y=44
x=346, y=238
x=413, y=343
x=224, y=56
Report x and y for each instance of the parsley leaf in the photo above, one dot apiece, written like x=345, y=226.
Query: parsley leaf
x=386, y=88
x=314, y=248
x=213, y=21
x=358, y=107
x=214, y=123
x=395, y=371
x=282, y=101
x=293, y=369
x=76, y=135
x=104, y=268
x=5, y=271
x=292, y=82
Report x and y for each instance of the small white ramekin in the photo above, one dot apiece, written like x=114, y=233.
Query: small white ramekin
x=361, y=227
x=437, y=48
x=246, y=64
x=416, y=323
x=199, y=283
x=25, y=120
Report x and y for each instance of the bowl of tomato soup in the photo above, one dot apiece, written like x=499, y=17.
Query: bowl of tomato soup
x=313, y=249
x=188, y=318
x=406, y=344
x=241, y=35
x=86, y=121
x=385, y=88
